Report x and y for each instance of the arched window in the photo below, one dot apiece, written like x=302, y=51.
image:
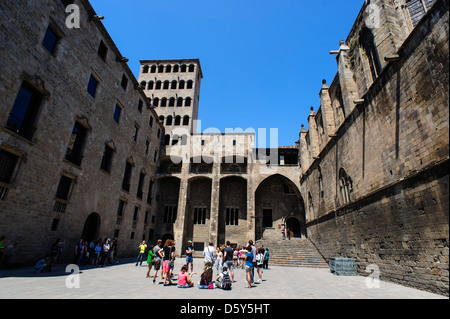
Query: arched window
x=168, y=68
x=158, y=85
x=345, y=186
x=190, y=84
x=180, y=101
x=144, y=84
x=191, y=67
x=183, y=68
x=177, y=120
x=166, y=85
x=181, y=85
x=172, y=101
x=151, y=85
x=174, y=85
x=188, y=101
x=161, y=119
x=161, y=69
x=367, y=42
x=169, y=120
x=155, y=101
x=145, y=69
x=164, y=101
x=176, y=68
x=153, y=69
x=186, y=120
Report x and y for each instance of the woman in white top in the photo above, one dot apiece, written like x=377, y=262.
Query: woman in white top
x=219, y=259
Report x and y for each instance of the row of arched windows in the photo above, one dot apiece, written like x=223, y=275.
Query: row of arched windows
x=155, y=102
x=168, y=68
x=175, y=120
x=166, y=85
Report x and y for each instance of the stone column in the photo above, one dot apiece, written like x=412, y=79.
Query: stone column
x=214, y=213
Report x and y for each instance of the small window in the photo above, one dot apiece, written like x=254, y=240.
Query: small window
x=145, y=69
x=102, y=51
x=186, y=120
x=124, y=82
x=150, y=192
x=163, y=102
x=232, y=217
x=64, y=186
x=55, y=224
x=8, y=162
x=156, y=102
x=169, y=120
x=181, y=84
x=150, y=86
x=176, y=68
x=161, y=69
x=50, y=40
x=150, y=123
x=199, y=216
x=136, y=132
x=153, y=69
x=140, y=190
x=140, y=105
x=92, y=86
x=166, y=85
x=170, y=214
x=107, y=159
x=172, y=101
x=23, y=116
x=173, y=85
x=191, y=67
x=127, y=176
x=180, y=101
x=155, y=156
x=177, y=120
x=121, y=208
x=183, y=68
x=188, y=101
x=189, y=84
x=168, y=68
x=158, y=85
x=117, y=113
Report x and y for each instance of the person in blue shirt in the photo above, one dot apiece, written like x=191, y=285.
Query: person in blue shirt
x=249, y=266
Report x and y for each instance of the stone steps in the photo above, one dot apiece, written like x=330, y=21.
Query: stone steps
x=293, y=253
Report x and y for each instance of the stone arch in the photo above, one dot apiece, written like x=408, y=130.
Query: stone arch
x=91, y=227
x=277, y=199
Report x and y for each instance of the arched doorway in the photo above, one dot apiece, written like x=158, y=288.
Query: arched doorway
x=293, y=224
x=91, y=227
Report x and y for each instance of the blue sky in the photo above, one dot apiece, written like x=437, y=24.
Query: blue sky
x=263, y=61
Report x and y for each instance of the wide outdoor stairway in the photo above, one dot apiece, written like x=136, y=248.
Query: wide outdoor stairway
x=293, y=253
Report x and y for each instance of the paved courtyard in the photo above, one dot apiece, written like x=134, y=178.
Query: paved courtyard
x=126, y=281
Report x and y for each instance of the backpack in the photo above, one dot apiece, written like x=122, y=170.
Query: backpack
x=226, y=282
x=259, y=259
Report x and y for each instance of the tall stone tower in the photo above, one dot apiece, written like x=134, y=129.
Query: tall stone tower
x=173, y=89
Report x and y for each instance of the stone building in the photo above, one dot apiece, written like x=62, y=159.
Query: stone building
x=375, y=156
x=78, y=140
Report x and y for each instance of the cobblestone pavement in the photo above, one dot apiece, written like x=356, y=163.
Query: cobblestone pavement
x=126, y=281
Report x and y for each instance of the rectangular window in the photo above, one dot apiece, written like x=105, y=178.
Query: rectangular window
x=8, y=162
x=107, y=159
x=127, y=177
x=200, y=216
x=50, y=40
x=117, y=112
x=23, y=116
x=155, y=157
x=232, y=217
x=151, y=121
x=102, y=51
x=74, y=152
x=121, y=208
x=267, y=218
x=92, y=86
x=136, y=213
x=150, y=192
x=140, y=105
x=170, y=214
x=64, y=186
x=55, y=224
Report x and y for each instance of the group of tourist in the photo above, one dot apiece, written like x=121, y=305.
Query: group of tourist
x=223, y=259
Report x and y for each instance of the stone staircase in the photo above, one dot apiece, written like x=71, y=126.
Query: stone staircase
x=293, y=253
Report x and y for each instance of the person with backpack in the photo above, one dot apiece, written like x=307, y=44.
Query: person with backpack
x=224, y=280
x=228, y=259
x=259, y=264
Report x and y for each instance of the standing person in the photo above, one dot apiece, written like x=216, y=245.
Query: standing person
x=91, y=251
x=266, y=259
x=208, y=254
x=218, y=259
x=283, y=233
x=104, y=253
x=235, y=258
x=249, y=266
x=158, y=252
x=78, y=251
x=189, y=258
x=259, y=263
x=166, y=261
x=97, y=252
x=142, y=248
x=242, y=252
x=254, y=252
x=150, y=257
x=228, y=259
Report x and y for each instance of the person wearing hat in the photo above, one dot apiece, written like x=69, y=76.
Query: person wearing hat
x=189, y=258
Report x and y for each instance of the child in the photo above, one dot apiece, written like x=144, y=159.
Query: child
x=224, y=280
x=206, y=281
x=149, y=260
x=184, y=279
x=42, y=265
